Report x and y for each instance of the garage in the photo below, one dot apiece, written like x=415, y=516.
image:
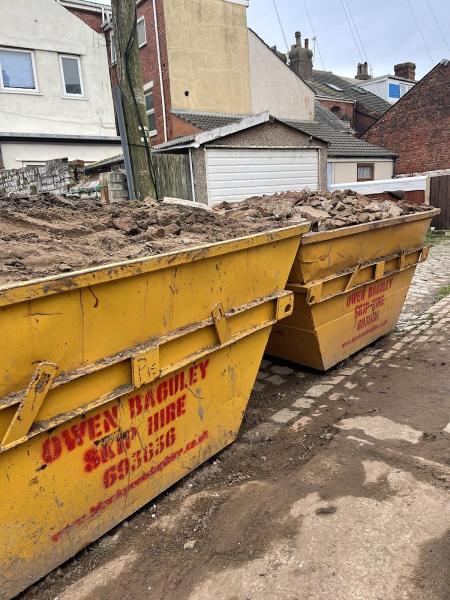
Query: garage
x=255, y=155
x=238, y=173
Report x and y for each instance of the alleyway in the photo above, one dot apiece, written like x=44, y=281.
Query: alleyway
x=338, y=486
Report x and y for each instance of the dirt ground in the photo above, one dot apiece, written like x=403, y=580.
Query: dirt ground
x=350, y=501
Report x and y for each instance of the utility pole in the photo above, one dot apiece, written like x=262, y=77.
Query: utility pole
x=132, y=95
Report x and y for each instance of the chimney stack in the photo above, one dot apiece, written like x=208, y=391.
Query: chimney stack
x=280, y=55
x=300, y=59
x=363, y=71
x=405, y=70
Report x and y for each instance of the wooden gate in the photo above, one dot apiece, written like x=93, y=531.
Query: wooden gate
x=173, y=176
x=440, y=198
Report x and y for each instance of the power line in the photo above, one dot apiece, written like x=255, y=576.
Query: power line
x=420, y=32
x=281, y=26
x=356, y=29
x=438, y=25
x=358, y=49
x=314, y=34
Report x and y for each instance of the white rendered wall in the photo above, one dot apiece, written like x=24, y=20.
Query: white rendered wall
x=50, y=29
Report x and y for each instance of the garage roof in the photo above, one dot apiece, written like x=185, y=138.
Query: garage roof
x=326, y=126
x=234, y=125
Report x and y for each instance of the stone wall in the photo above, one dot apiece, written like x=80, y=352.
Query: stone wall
x=55, y=177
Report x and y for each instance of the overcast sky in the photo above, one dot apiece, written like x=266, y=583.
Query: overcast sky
x=388, y=31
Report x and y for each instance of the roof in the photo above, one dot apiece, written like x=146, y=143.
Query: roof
x=207, y=120
x=87, y=5
x=235, y=125
x=382, y=77
x=326, y=127
x=348, y=90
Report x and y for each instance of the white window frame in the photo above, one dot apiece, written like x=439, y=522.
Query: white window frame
x=140, y=20
x=148, y=88
x=9, y=90
x=112, y=53
x=65, y=93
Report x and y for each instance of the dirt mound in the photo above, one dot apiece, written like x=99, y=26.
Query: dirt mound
x=47, y=234
x=324, y=210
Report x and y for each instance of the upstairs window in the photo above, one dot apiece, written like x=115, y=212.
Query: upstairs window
x=150, y=110
x=365, y=172
x=71, y=76
x=141, y=33
x=17, y=70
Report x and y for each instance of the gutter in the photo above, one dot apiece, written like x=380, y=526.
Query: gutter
x=56, y=137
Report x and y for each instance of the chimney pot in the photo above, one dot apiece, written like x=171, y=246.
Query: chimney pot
x=298, y=38
x=306, y=43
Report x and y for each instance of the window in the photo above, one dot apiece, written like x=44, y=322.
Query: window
x=141, y=33
x=336, y=110
x=17, y=71
x=334, y=87
x=150, y=110
x=365, y=172
x=71, y=76
x=113, y=48
x=403, y=89
x=394, y=90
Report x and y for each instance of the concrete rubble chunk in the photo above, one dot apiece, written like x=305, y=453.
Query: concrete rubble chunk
x=313, y=214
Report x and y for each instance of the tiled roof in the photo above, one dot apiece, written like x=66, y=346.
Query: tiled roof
x=206, y=120
x=326, y=127
x=348, y=90
x=342, y=143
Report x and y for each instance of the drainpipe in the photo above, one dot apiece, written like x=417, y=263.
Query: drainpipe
x=158, y=52
x=192, y=175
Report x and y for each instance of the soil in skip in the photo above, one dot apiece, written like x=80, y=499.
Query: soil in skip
x=48, y=235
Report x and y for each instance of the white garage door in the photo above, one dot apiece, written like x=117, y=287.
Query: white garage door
x=238, y=173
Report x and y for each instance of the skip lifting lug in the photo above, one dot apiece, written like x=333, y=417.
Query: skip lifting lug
x=220, y=323
x=31, y=403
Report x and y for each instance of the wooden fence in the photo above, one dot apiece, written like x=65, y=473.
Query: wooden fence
x=173, y=175
x=440, y=198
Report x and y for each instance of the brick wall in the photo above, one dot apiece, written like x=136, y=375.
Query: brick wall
x=417, y=126
x=56, y=177
x=343, y=110
x=93, y=19
x=364, y=118
x=150, y=70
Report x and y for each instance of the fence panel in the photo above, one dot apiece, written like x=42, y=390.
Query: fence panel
x=173, y=176
x=440, y=198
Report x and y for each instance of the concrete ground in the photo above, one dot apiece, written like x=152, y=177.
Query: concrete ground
x=338, y=486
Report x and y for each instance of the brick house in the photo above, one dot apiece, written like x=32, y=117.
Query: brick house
x=417, y=127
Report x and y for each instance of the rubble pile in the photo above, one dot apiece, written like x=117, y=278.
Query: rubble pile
x=47, y=234
x=325, y=210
